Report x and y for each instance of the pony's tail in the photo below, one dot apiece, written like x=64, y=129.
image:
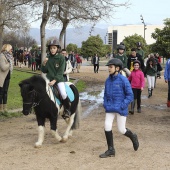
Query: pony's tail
x=77, y=116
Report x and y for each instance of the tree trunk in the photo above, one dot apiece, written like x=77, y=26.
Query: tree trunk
x=45, y=17
x=43, y=41
x=1, y=30
x=63, y=31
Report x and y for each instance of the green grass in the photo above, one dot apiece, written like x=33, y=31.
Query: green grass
x=81, y=85
x=5, y=115
x=14, y=96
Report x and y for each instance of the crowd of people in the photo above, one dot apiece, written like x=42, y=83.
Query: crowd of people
x=31, y=58
x=136, y=67
x=120, y=91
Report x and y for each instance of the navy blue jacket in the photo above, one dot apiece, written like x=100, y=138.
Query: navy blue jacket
x=117, y=95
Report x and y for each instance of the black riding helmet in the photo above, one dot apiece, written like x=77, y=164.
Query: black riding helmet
x=121, y=47
x=54, y=43
x=139, y=44
x=115, y=62
x=136, y=61
x=122, y=43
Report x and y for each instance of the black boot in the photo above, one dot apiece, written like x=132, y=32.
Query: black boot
x=66, y=103
x=111, y=151
x=133, y=137
x=139, y=109
x=149, y=93
x=132, y=107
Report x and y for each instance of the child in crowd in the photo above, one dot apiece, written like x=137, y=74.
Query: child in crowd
x=68, y=68
x=137, y=82
x=167, y=79
x=122, y=56
x=117, y=96
x=151, y=71
x=33, y=63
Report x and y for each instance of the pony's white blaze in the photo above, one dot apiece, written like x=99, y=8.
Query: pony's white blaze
x=41, y=133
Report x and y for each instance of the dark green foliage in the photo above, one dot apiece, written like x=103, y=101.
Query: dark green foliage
x=130, y=42
x=162, y=37
x=94, y=45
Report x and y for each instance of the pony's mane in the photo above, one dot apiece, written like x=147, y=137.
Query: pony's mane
x=37, y=82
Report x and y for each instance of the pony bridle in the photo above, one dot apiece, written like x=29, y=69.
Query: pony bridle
x=34, y=104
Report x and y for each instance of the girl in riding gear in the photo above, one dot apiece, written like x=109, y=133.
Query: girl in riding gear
x=137, y=81
x=117, y=96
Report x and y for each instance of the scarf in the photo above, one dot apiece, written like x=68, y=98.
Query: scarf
x=9, y=58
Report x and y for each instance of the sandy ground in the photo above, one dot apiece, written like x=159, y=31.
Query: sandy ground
x=81, y=152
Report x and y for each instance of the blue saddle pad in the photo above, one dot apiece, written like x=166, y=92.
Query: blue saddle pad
x=69, y=92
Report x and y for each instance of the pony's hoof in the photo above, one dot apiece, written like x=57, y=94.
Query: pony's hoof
x=59, y=139
x=64, y=140
x=37, y=145
x=70, y=136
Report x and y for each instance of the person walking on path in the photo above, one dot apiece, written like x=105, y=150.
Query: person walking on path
x=117, y=96
x=167, y=79
x=139, y=50
x=33, y=63
x=79, y=62
x=68, y=68
x=54, y=66
x=96, y=60
x=150, y=72
x=6, y=68
x=137, y=81
x=122, y=56
x=135, y=56
x=72, y=59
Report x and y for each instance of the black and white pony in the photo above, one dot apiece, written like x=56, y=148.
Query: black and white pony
x=37, y=94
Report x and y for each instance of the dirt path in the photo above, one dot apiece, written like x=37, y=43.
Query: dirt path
x=18, y=135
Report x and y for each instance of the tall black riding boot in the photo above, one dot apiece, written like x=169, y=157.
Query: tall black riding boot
x=138, y=105
x=149, y=93
x=111, y=151
x=133, y=137
x=132, y=107
x=66, y=104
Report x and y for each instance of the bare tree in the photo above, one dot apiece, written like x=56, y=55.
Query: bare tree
x=12, y=16
x=81, y=11
x=17, y=40
x=70, y=12
x=47, y=8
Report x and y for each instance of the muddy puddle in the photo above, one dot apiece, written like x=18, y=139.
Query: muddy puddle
x=92, y=100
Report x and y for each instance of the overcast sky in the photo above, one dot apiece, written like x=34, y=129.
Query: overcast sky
x=153, y=12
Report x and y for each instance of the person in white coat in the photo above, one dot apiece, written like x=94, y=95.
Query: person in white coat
x=69, y=67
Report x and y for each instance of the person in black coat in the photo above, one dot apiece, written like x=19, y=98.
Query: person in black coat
x=96, y=63
x=133, y=57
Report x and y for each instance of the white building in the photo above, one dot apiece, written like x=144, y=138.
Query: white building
x=116, y=34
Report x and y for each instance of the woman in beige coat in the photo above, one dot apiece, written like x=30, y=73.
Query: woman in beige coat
x=6, y=67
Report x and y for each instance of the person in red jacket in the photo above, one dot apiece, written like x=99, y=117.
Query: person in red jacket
x=137, y=83
x=79, y=61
